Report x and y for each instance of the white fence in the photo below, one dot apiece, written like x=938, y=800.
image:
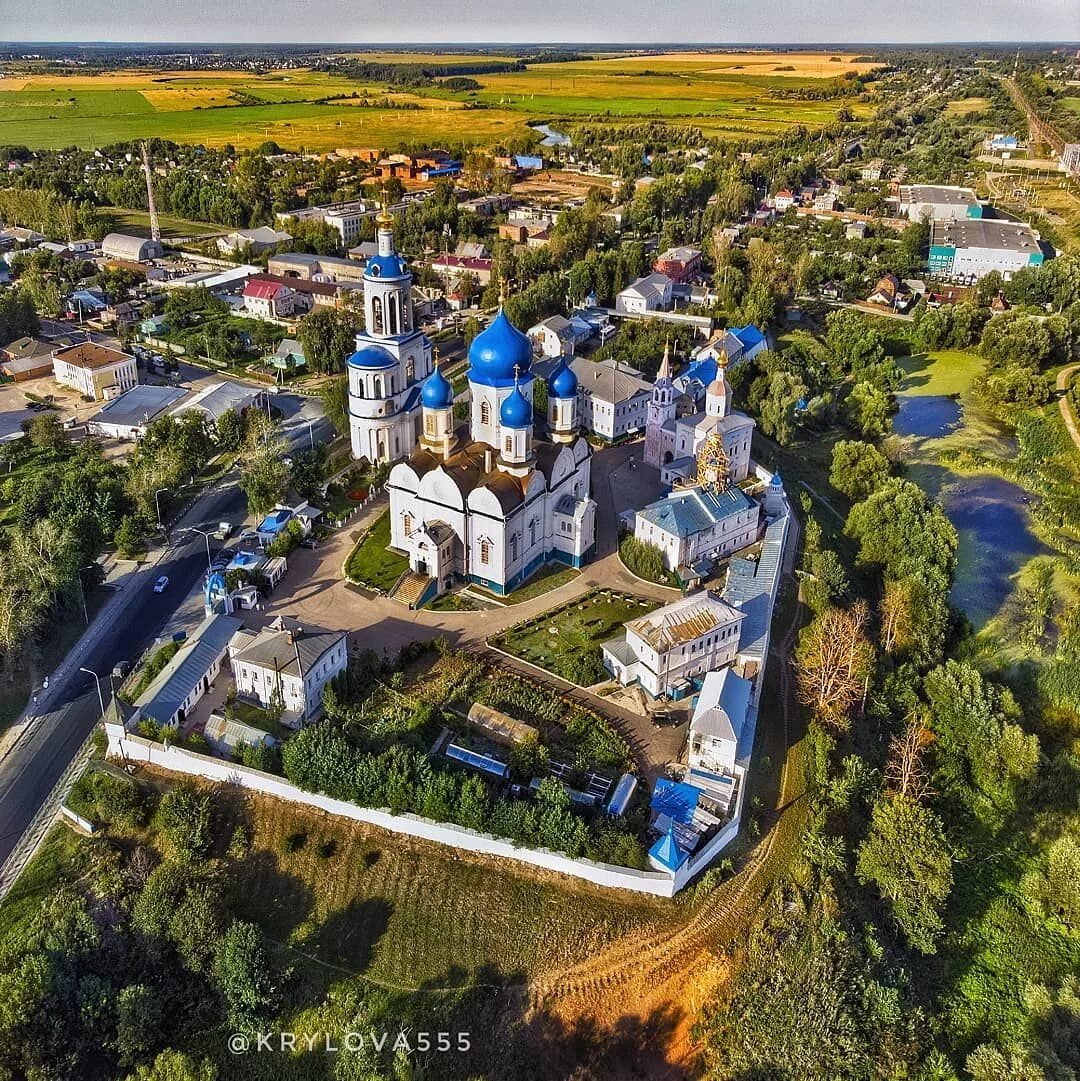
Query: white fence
x=661, y=884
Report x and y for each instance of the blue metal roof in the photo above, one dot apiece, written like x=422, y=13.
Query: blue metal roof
x=675, y=799
x=516, y=411
x=484, y=762
x=437, y=393
x=381, y=267
x=689, y=510
x=192, y=662
x=275, y=521
x=748, y=335
x=370, y=355
x=667, y=853
x=499, y=354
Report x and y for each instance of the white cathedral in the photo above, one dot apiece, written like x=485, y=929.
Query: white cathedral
x=493, y=502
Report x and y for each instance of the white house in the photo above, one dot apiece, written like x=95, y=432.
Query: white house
x=651, y=293
x=717, y=724
x=669, y=650
x=557, y=336
x=188, y=674
x=698, y=523
x=95, y=370
x=613, y=398
x=266, y=299
x=297, y=660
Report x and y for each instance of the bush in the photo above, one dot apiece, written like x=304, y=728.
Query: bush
x=110, y=800
x=644, y=559
x=185, y=817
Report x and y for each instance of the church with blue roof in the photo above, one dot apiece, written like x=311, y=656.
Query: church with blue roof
x=494, y=501
x=392, y=360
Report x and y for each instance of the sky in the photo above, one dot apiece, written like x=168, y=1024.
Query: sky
x=496, y=21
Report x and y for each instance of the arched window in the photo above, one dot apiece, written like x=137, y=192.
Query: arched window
x=554, y=413
x=485, y=551
x=410, y=370
x=407, y=524
x=532, y=532
x=485, y=413
x=376, y=387
x=429, y=424
x=376, y=315
x=392, y=313
x=509, y=446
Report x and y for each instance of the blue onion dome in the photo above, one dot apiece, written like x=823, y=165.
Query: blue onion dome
x=516, y=411
x=498, y=353
x=775, y=481
x=437, y=393
x=562, y=383
x=372, y=356
x=385, y=266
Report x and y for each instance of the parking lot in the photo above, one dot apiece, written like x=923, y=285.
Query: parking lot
x=15, y=404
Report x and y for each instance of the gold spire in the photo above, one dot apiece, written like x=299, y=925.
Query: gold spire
x=384, y=219
x=722, y=360
x=504, y=291
x=436, y=356
x=665, y=364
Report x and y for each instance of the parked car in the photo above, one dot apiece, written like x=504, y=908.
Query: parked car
x=249, y=535
x=121, y=669
x=309, y=542
x=161, y=584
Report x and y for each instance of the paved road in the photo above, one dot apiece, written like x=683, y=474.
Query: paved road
x=33, y=766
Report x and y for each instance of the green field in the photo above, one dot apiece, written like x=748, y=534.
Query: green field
x=137, y=223
x=720, y=93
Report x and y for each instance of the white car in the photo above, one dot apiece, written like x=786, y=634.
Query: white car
x=161, y=584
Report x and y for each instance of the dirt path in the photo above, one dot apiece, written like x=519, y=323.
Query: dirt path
x=1067, y=415
x=643, y=976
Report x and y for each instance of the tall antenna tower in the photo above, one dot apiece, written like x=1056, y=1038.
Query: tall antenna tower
x=155, y=228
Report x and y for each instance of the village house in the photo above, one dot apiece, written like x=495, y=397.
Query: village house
x=613, y=397
x=265, y=298
x=26, y=358
x=651, y=293
x=290, y=662
x=557, y=336
x=680, y=264
x=718, y=721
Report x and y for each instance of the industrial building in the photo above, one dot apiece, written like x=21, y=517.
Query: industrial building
x=137, y=249
x=975, y=248
x=938, y=203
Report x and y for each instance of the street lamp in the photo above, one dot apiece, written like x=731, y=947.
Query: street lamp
x=82, y=591
x=97, y=682
x=206, y=537
x=157, y=505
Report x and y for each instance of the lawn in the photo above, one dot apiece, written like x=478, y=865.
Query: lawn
x=372, y=563
x=557, y=640
x=137, y=223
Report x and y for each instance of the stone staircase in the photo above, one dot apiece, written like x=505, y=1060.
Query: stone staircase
x=410, y=588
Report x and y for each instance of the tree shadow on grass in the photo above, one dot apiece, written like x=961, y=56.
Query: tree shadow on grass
x=277, y=900
x=347, y=938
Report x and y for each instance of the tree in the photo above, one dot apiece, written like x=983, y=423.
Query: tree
x=856, y=347
x=833, y=662
x=867, y=409
x=264, y=474
x=138, y=1022
x=328, y=338
x=335, y=398
x=229, y=429
x=779, y=408
x=905, y=770
x=897, y=612
x=242, y=974
x=906, y=856
x=175, y=1066
x=45, y=432
x=1016, y=337
x=128, y=537
x=857, y=469
x=185, y=817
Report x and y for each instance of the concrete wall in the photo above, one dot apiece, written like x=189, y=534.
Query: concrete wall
x=136, y=749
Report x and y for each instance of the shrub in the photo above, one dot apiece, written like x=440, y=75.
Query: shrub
x=644, y=559
x=185, y=817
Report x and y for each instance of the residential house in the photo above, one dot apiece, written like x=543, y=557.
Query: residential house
x=783, y=199
x=669, y=651
x=680, y=264
x=291, y=661
x=288, y=357
x=173, y=693
x=648, y=294
x=855, y=230
x=718, y=721
x=268, y=299
x=95, y=371
x=26, y=358
x=872, y=171
x=890, y=293
x=218, y=398
x=557, y=336
x=451, y=268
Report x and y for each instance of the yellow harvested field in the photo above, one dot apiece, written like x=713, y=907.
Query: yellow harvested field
x=808, y=65
x=180, y=98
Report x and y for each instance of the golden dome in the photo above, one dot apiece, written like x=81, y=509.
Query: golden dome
x=384, y=219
